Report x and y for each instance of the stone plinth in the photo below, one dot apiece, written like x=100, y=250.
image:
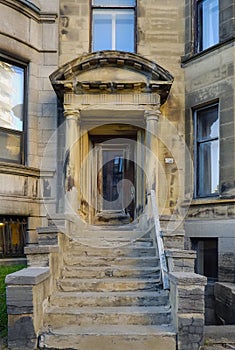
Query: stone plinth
x=27, y=291
x=187, y=300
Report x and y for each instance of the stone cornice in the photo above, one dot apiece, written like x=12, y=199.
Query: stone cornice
x=30, y=10
x=152, y=77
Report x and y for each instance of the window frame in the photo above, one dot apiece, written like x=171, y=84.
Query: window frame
x=115, y=8
x=23, y=145
x=197, y=142
x=198, y=29
x=6, y=221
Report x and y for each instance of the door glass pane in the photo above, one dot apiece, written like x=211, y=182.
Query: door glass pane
x=113, y=173
x=102, y=31
x=125, y=31
x=208, y=180
x=114, y=3
x=11, y=96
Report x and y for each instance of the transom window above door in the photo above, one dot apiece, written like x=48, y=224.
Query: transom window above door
x=113, y=25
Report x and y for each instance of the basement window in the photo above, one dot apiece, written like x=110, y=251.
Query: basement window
x=207, y=257
x=12, y=236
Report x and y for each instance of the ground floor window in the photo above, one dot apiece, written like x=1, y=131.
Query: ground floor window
x=12, y=236
x=207, y=256
x=12, y=110
x=207, y=151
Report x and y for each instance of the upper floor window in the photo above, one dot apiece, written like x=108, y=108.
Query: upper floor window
x=207, y=151
x=113, y=25
x=12, y=109
x=207, y=24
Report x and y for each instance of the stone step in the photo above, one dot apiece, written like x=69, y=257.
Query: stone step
x=145, y=261
x=111, y=271
x=109, y=338
x=89, y=316
x=80, y=250
x=108, y=284
x=102, y=299
x=106, y=242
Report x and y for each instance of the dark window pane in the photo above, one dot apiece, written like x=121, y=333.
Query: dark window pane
x=113, y=173
x=208, y=123
x=208, y=168
x=207, y=151
x=211, y=258
x=10, y=146
x=114, y=3
x=207, y=256
x=11, y=96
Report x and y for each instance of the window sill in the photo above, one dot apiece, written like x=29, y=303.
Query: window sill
x=211, y=200
x=18, y=169
x=193, y=56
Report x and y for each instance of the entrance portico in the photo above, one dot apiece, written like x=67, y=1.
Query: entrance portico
x=111, y=106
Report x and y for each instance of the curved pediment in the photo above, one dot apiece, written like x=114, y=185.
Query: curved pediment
x=111, y=72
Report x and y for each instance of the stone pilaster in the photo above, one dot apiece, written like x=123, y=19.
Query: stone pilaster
x=72, y=158
x=152, y=117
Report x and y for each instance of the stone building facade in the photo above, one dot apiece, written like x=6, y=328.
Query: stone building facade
x=158, y=104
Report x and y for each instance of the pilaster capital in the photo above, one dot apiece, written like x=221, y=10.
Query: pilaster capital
x=152, y=114
x=72, y=113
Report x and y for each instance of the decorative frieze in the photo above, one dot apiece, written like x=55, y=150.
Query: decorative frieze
x=113, y=99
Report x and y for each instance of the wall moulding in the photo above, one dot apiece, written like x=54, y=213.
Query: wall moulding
x=17, y=169
x=30, y=9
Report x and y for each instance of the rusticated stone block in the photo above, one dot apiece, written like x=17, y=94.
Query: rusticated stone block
x=21, y=333
x=225, y=302
x=19, y=300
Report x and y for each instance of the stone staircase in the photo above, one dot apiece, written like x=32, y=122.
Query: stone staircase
x=109, y=295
